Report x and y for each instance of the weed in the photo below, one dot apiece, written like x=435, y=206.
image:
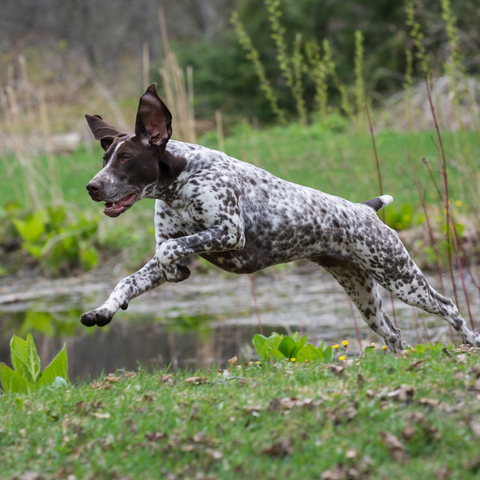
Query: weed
x=28, y=375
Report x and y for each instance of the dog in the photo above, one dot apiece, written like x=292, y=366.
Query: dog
x=243, y=219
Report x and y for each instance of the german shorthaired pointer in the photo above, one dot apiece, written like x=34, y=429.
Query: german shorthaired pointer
x=242, y=219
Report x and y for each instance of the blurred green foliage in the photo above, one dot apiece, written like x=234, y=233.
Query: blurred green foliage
x=225, y=79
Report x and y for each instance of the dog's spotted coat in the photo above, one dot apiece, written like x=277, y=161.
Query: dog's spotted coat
x=243, y=219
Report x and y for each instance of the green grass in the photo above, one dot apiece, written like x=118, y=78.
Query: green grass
x=287, y=420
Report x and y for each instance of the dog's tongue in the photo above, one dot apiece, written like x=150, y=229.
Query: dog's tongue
x=115, y=207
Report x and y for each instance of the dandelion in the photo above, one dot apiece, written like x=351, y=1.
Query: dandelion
x=345, y=343
x=258, y=362
x=384, y=347
x=293, y=359
x=306, y=360
x=335, y=347
x=458, y=203
x=342, y=358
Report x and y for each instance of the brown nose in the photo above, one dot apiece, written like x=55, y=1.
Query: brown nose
x=94, y=186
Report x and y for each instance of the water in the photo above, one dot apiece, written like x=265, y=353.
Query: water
x=207, y=319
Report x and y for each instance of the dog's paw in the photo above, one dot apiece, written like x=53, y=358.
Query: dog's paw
x=175, y=273
x=100, y=317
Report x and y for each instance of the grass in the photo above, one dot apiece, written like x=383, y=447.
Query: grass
x=265, y=421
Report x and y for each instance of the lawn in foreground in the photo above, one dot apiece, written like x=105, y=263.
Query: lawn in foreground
x=411, y=416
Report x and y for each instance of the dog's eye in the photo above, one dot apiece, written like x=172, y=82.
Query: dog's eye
x=125, y=159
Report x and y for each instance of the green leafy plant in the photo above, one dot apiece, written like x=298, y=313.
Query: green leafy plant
x=28, y=375
x=290, y=347
x=59, y=238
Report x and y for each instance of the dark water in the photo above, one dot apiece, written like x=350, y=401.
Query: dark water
x=207, y=319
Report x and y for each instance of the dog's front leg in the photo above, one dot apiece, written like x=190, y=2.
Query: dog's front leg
x=217, y=239
x=130, y=287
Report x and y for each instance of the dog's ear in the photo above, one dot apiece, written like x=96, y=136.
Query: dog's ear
x=102, y=130
x=154, y=121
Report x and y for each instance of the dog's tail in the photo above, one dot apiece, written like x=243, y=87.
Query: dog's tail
x=379, y=202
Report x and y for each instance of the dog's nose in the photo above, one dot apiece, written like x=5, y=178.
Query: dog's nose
x=94, y=187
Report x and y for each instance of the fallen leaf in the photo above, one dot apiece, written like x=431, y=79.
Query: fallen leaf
x=215, y=454
x=199, y=437
x=458, y=374
x=281, y=448
x=187, y=448
x=416, y=365
x=28, y=476
x=402, y=393
x=394, y=445
x=443, y=474
x=336, y=369
x=195, y=380
x=233, y=362
x=165, y=379
x=472, y=465
x=432, y=402
x=155, y=437
x=351, y=453
x=408, y=432
x=193, y=411
x=475, y=426
x=101, y=415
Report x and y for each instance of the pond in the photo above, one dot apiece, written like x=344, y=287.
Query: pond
x=203, y=321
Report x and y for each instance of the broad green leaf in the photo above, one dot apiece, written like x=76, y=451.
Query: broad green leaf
x=258, y=342
x=18, y=355
x=277, y=354
x=56, y=214
x=41, y=322
x=271, y=344
x=308, y=352
x=57, y=368
x=328, y=355
x=295, y=337
x=33, y=360
x=32, y=228
x=13, y=381
x=33, y=249
x=88, y=258
x=19, y=347
x=298, y=345
x=286, y=346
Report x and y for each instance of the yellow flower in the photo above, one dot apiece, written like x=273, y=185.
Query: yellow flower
x=458, y=203
x=306, y=360
x=292, y=359
x=335, y=347
x=345, y=343
x=257, y=362
x=342, y=358
x=374, y=345
x=384, y=347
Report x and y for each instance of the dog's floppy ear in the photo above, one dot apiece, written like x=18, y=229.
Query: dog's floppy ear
x=154, y=121
x=102, y=130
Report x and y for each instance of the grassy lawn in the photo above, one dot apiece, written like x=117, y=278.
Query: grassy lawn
x=412, y=416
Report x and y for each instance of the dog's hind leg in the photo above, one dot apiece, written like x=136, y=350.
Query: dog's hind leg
x=130, y=287
x=414, y=290
x=362, y=289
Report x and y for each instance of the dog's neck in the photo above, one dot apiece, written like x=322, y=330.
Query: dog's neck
x=170, y=180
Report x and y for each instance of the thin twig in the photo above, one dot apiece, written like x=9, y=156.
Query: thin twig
x=250, y=277
x=381, y=192
x=355, y=323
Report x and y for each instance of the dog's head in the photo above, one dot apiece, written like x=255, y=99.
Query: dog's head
x=132, y=164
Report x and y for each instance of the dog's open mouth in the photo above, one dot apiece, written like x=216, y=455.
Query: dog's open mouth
x=114, y=209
